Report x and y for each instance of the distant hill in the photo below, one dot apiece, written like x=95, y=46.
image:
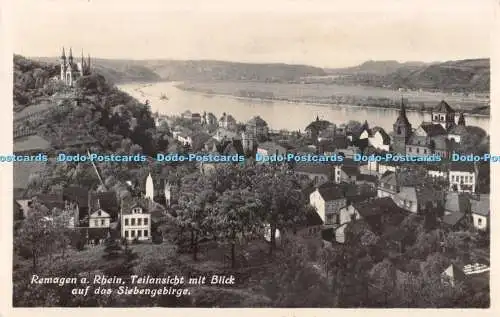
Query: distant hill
x=116, y=71
x=377, y=67
x=119, y=71
x=471, y=75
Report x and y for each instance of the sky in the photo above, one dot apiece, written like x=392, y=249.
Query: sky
x=324, y=33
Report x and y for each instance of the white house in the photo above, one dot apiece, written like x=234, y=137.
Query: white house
x=328, y=199
x=99, y=219
x=379, y=139
x=462, y=177
x=135, y=223
x=480, y=209
x=184, y=138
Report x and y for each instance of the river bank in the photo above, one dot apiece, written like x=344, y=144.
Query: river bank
x=332, y=95
x=278, y=114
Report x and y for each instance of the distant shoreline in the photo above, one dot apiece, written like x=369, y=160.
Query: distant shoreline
x=200, y=91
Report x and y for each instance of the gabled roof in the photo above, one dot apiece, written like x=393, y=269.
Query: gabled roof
x=462, y=167
x=375, y=206
x=385, y=137
x=330, y=191
x=457, y=203
x=350, y=170
x=459, y=130
x=443, y=106
x=481, y=206
x=453, y=218
x=257, y=121
x=455, y=273
x=100, y=214
x=433, y=129
x=128, y=204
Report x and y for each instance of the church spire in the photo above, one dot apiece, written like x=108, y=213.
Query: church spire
x=63, y=56
x=70, y=58
x=88, y=63
x=402, y=109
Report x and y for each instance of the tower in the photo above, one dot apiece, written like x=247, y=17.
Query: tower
x=87, y=66
x=149, y=188
x=63, y=64
x=461, y=119
x=402, y=131
x=70, y=58
x=168, y=194
x=444, y=115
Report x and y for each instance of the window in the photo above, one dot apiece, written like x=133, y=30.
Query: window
x=418, y=150
x=479, y=221
x=132, y=233
x=409, y=149
x=145, y=221
x=132, y=222
x=461, y=179
x=126, y=233
x=139, y=233
x=126, y=221
x=425, y=151
x=103, y=222
x=146, y=233
x=96, y=223
x=139, y=222
x=470, y=179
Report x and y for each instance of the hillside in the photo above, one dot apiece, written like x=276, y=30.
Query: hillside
x=115, y=71
x=472, y=75
x=120, y=71
x=104, y=112
x=376, y=68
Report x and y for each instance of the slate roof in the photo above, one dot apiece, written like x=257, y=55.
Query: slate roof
x=443, y=106
x=257, y=121
x=462, y=167
x=453, y=218
x=459, y=130
x=367, y=178
x=375, y=207
x=433, y=129
x=457, y=202
x=385, y=137
x=481, y=206
x=128, y=204
x=350, y=170
x=330, y=191
x=455, y=272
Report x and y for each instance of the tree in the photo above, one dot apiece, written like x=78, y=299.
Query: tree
x=112, y=249
x=195, y=203
x=38, y=233
x=282, y=201
x=235, y=216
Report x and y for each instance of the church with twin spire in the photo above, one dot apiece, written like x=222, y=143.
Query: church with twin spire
x=72, y=70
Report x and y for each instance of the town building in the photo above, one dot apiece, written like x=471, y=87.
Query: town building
x=480, y=209
x=258, y=128
x=328, y=199
x=135, y=220
x=462, y=177
x=228, y=122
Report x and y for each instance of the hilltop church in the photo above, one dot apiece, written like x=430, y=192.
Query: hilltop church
x=71, y=71
x=436, y=137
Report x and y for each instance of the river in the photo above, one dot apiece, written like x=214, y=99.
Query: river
x=278, y=114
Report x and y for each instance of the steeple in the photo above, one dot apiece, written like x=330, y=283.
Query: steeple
x=88, y=63
x=83, y=61
x=461, y=119
x=149, y=187
x=70, y=58
x=317, y=118
x=63, y=56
